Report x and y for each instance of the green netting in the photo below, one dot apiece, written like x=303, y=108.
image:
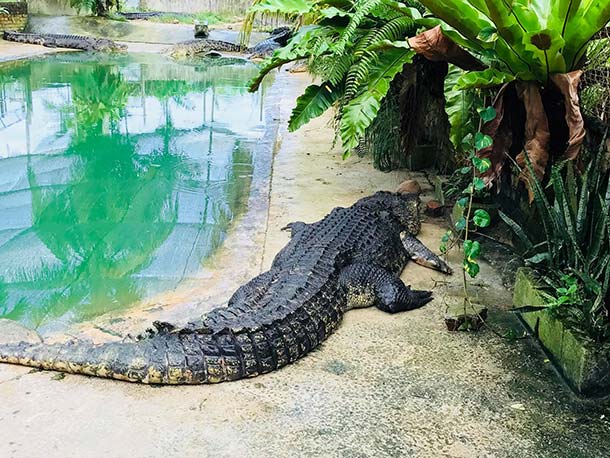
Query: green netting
x=595, y=83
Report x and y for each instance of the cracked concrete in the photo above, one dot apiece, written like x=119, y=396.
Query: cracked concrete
x=381, y=386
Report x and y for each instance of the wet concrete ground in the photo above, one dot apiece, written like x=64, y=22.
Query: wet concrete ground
x=381, y=386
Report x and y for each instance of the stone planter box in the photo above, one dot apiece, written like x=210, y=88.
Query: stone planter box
x=16, y=17
x=584, y=364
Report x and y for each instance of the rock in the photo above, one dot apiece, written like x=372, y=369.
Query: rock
x=409, y=187
x=13, y=332
x=434, y=208
x=465, y=318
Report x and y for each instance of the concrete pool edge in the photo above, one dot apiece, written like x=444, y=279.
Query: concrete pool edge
x=10, y=51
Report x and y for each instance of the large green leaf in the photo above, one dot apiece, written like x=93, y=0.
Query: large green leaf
x=532, y=39
x=461, y=15
x=459, y=105
x=314, y=101
x=582, y=23
x=483, y=79
x=358, y=114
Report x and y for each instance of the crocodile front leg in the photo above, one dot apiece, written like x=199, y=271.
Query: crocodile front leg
x=295, y=227
x=369, y=284
x=422, y=255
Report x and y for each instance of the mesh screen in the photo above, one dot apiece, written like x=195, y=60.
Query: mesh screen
x=595, y=83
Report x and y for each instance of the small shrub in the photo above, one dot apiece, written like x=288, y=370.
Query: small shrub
x=572, y=257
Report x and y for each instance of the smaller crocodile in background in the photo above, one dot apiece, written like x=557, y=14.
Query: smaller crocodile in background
x=140, y=15
x=279, y=37
x=52, y=40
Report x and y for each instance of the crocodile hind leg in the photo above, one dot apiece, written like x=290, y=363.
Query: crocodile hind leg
x=422, y=255
x=368, y=285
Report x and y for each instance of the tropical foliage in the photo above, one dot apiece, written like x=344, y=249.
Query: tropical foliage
x=533, y=49
x=528, y=40
x=572, y=256
x=355, y=47
x=512, y=99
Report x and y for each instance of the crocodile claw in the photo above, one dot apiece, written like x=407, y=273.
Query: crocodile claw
x=422, y=255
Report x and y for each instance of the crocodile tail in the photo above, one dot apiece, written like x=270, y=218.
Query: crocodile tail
x=165, y=358
x=171, y=356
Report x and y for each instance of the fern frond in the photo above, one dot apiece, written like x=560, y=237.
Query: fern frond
x=299, y=47
x=314, y=102
x=358, y=73
x=331, y=67
x=359, y=112
x=360, y=10
x=395, y=29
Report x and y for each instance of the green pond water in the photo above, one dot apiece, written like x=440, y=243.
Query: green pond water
x=119, y=176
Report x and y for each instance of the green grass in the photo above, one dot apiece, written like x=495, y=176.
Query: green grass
x=189, y=18
x=212, y=18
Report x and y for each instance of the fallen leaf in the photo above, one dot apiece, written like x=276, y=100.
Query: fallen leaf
x=537, y=134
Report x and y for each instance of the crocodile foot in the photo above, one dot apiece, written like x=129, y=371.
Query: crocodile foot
x=422, y=255
x=368, y=285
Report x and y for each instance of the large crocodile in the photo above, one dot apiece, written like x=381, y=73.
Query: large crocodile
x=278, y=37
x=349, y=259
x=53, y=40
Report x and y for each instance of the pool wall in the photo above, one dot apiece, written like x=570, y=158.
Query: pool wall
x=237, y=7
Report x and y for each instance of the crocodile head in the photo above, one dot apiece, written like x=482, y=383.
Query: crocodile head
x=408, y=212
x=110, y=46
x=404, y=206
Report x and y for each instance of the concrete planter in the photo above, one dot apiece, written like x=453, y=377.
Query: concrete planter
x=584, y=364
x=15, y=17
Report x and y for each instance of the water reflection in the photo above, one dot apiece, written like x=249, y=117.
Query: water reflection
x=118, y=177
